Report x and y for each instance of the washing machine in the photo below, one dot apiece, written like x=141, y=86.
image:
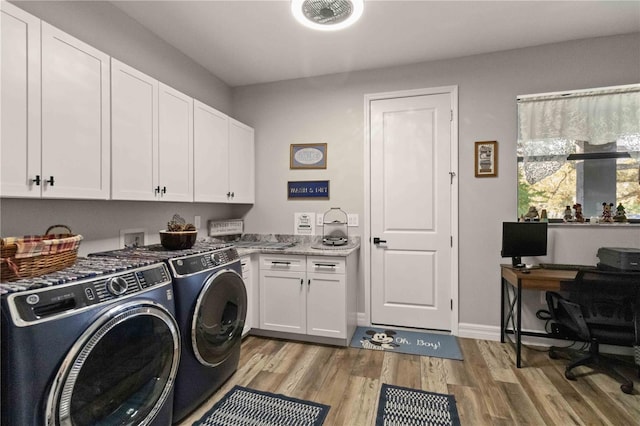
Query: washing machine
x=94, y=344
x=211, y=308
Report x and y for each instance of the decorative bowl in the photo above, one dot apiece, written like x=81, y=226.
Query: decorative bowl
x=178, y=240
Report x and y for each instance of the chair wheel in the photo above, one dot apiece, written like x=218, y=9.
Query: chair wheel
x=627, y=388
x=569, y=375
x=553, y=354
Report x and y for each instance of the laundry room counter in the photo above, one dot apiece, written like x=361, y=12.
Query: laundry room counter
x=292, y=245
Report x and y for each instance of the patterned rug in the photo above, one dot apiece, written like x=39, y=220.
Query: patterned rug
x=400, y=406
x=407, y=342
x=244, y=407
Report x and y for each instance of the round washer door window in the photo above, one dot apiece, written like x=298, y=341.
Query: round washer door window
x=219, y=316
x=120, y=372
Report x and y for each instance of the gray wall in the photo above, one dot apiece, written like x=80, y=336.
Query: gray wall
x=331, y=109
x=108, y=29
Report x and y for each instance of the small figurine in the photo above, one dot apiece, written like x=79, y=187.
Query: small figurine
x=620, y=214
x=606, y=213
x=568, y=216
x=532, y=214
x=578, y=212
x=543, y=215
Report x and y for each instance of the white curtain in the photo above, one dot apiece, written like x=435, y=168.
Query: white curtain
x=551, y=126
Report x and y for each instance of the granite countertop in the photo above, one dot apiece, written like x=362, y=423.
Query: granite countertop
x=292, y=245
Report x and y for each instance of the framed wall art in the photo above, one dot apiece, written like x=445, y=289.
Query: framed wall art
x=486, y=155
x=315, y=189
x=308, y=156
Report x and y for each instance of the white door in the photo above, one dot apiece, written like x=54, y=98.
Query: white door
x=411, y=211
x=134, y=134
x=175, y=164
x=210, y=154
x=20, y=131
x=241, y=163
x=75, y=118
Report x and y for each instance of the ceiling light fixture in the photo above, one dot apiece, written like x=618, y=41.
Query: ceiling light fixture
x=327, y=15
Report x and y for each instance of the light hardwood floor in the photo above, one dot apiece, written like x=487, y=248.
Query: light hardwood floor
x=489, y=390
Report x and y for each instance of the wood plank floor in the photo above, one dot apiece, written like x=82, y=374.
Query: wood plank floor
x=489, y=390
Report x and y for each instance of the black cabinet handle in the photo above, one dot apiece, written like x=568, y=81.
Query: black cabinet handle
x=49, y=181
x=164, y=189
x=326, y=265
x=279, y=262
x=377, y=240
x=301, y=282
x=36, y=180
x=157, y=190
x=233, y=194
x=229, y=194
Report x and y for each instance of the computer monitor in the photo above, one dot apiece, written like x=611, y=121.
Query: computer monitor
x=523, y=239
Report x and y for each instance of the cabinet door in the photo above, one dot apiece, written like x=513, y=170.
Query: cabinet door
x=176, y=145
x=282, y=301
x=211, y=154
x=326, y=305
x=75, y=118
x=134, y=134
x=241, y=163
x=20, y=109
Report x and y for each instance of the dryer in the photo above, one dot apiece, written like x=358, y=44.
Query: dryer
x=211, y=308
x=94, y=345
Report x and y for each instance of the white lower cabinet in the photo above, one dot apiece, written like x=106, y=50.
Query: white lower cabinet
x=307, y=295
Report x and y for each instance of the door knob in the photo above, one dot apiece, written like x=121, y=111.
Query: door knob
x=377, y=240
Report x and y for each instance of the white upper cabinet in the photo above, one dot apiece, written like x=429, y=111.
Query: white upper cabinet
x=75, y=118
x=151, y=141
x=241, y=163
x=175, y=154
x=134, y=134
x=20, y=174
x=224, y=164
x=211, y=154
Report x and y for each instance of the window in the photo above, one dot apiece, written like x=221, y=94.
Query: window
x=580, y=147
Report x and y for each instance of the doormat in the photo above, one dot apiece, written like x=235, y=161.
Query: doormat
x=405, y=406
x=243, y=407
x=407, y=342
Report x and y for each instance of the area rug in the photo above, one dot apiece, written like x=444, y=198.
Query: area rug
x=407, y=342
x=243, y=407
x=404, y=406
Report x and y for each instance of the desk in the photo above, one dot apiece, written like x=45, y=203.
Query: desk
x=536, y=279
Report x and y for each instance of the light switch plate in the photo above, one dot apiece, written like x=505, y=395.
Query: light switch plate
x=319, y=219
x=197, y=222
x=352, y=219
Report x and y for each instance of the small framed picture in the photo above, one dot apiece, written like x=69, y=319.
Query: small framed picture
x=308, y=156
x=486, y=154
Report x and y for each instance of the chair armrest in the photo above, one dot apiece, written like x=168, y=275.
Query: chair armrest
x=563, y=311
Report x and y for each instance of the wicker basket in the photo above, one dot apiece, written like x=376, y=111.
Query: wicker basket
x=35, y=255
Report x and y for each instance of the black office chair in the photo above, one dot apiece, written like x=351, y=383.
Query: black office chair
x=600, y=307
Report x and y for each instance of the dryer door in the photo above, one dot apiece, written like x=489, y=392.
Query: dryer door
x=219, y=317
x=121, y=371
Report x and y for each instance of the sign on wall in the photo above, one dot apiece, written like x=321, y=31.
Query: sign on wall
x=317, y=189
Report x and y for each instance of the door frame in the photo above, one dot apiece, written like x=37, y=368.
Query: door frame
x=366, y=238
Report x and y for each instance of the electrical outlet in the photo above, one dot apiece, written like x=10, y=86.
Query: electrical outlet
x=319, y=219
x=352, y=219
x=196, y=222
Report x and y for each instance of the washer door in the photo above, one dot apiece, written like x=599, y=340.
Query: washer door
x=219, y=317
x=121, y=371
